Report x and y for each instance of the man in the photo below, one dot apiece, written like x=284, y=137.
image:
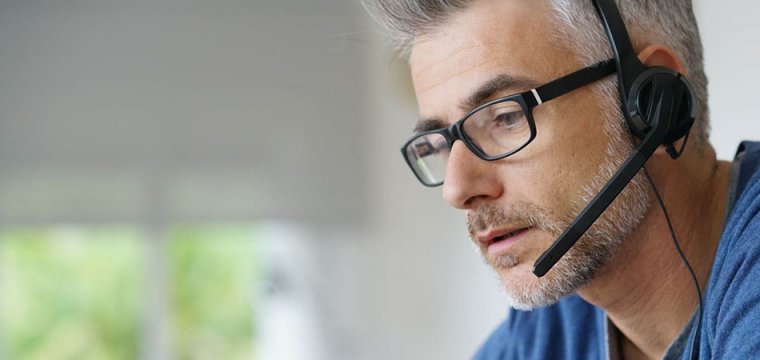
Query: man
x=621, y=291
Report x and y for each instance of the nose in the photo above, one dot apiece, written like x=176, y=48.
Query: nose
x=470, y=180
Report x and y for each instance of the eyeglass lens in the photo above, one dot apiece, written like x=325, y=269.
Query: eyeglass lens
x=495, y=130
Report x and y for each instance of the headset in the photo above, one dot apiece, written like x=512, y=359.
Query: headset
x=659, y=107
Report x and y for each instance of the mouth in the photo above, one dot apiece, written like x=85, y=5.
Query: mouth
x=499, y=241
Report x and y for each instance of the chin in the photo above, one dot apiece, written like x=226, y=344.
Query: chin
x=525, y=291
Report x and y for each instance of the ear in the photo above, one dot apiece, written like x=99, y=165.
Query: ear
x=658, y=55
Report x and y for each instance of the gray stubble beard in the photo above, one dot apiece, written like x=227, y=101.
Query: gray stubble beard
x=584, y=260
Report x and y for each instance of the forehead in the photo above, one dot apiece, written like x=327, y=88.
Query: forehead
x=489, y=38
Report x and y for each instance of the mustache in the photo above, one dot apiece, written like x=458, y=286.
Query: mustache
x=523, y=214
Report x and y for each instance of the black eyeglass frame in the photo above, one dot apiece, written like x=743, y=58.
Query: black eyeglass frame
x=527, y=100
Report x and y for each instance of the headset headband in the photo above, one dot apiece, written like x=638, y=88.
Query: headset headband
x=628, y=65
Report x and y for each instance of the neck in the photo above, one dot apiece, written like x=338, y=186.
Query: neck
x=646, y=289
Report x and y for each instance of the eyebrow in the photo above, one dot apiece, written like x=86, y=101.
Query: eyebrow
x=429, y=124
x=496, y=85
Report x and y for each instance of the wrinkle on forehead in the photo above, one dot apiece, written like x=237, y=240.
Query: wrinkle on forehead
x=452, y=66
x=461, y=59
x=456, y=42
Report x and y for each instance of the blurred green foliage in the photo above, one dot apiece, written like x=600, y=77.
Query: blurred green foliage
x=212, y=273
x=70, y=293
x=75, y=292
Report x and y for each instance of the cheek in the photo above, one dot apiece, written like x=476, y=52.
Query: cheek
x=569, y=147
x=535, y=247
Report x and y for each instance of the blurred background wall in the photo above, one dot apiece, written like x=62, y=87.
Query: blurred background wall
x=222, y=177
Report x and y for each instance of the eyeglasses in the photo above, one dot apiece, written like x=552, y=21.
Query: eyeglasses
x=494, y=130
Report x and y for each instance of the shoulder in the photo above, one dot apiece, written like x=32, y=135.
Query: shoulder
x=742, y=223
x=570, y=329
x=732, y=301
x=744, y=215
x=749, y=154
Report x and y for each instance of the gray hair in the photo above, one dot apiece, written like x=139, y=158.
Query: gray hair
x=667, y=22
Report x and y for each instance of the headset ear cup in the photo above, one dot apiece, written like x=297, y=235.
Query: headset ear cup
x=685, y=110
x=649, y=88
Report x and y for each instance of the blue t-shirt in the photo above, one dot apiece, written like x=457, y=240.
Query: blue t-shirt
x=575, y=329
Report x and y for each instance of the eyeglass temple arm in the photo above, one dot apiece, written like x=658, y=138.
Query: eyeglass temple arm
x=570, y=82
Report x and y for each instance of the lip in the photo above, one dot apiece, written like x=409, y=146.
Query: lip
x=488, y=239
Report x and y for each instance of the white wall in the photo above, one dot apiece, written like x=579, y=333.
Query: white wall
x=730, y=32
x=207, y=109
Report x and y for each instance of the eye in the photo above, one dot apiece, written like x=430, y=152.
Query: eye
x=509, y=119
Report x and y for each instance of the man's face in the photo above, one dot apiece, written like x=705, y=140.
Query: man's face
x=516, y=207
